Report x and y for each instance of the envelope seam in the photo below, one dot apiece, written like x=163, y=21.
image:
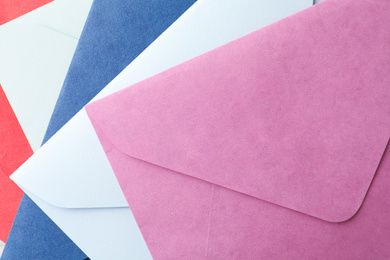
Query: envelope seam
x=209, y=222
x=58, y=31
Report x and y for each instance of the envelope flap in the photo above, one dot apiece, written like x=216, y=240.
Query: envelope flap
x=296, y=114
x=34, y=63
x=71, y=170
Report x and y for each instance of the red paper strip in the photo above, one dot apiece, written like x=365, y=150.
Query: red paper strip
x=11, y=9
x=14, y=150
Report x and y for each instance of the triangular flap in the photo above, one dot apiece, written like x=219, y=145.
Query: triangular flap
x=71, y=170
x=295, y=114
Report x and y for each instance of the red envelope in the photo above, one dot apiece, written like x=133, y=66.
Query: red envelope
x=14, y=150
x=11, y=9
x=265, y=148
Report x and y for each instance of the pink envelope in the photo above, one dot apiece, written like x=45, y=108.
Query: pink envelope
x=265, y=148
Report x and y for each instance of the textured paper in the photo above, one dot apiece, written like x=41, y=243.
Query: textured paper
x=10, y=10
x=201, y=30
x=36, y=50
x=35, y=236
x=14, y=150
x=115, y=33
x=247, y=151
x=87, y=179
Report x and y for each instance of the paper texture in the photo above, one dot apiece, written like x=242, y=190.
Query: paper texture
x=35, y=236
x=237, y=151
x=14, y=150
x=205, y=31
x=10, y=10
x=118, y=35
x=36, y=50
x=111, y=41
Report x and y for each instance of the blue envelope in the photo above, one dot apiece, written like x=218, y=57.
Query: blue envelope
x=115, y=33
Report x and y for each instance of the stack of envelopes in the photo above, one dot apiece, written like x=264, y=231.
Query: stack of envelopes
x=183, y=129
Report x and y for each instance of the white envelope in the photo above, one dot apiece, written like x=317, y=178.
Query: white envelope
x=70, y=177
x=35, y=53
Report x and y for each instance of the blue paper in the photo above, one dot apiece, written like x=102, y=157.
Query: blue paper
x=115, y=33
x=35, y=236
x=110, y=46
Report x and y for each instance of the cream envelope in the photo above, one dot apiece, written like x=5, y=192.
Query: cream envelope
x=35, y=53
x=70, y=177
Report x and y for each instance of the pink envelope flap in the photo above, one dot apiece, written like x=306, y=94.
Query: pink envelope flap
x=296, y=114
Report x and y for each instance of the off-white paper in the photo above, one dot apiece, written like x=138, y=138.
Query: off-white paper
x=35, y=53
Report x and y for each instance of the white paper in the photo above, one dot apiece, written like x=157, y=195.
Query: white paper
x=35, y=53
x=205, y=26
x=1, y=247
